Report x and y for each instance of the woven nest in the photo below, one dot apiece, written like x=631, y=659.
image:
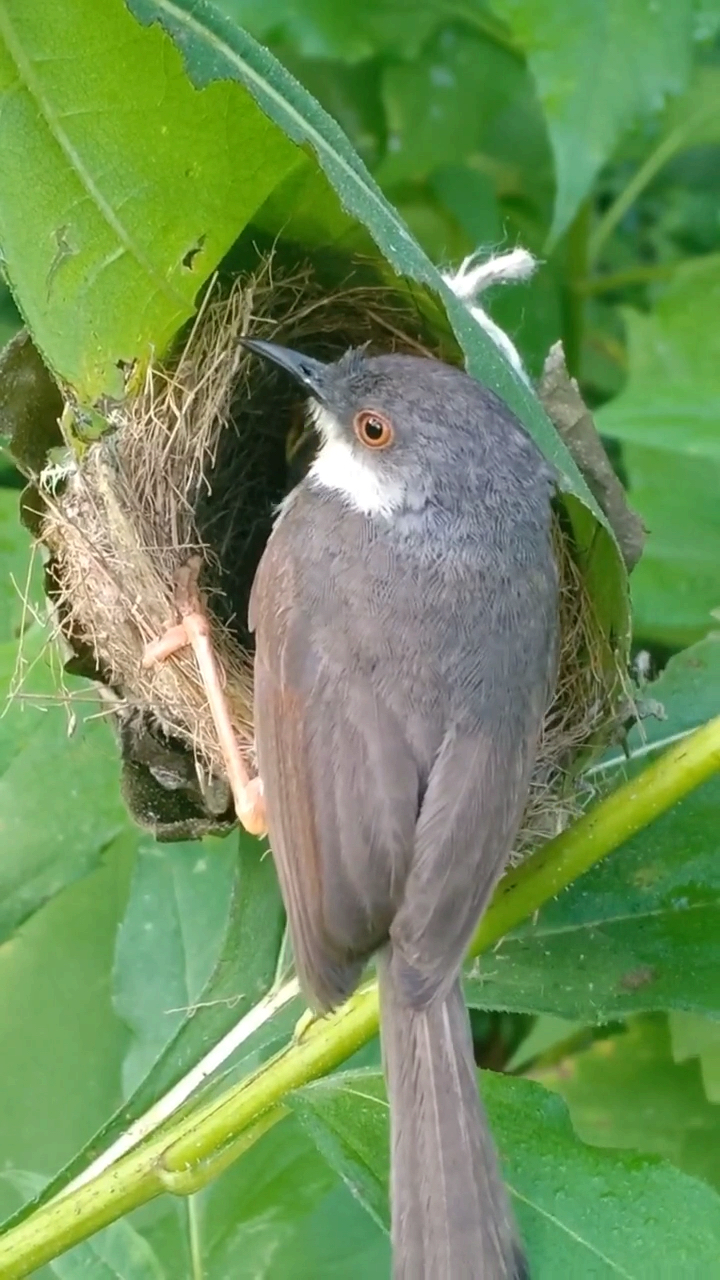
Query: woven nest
x=191, y=472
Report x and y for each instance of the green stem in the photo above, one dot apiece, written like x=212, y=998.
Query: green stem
x=175, y=1157
x=572, y=294
x=639, y=274
x=670, y=145
x=193, y=1213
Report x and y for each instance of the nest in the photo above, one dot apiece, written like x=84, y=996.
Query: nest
x=190, y=475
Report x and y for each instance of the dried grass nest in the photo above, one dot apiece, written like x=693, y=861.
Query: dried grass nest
x=193, y=467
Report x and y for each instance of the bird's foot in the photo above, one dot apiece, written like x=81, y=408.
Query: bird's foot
x=193, y=630
x=304, y=1023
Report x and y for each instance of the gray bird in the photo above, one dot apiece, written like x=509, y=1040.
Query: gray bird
x=406, y=621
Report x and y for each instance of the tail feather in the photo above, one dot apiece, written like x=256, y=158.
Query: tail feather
x=450, y=1214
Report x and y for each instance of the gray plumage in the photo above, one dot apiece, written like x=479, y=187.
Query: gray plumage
x=404, y=661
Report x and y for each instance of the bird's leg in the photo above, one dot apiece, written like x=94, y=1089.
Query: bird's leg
x=194, y=631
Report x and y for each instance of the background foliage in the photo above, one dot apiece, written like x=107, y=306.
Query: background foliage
x=590, y=134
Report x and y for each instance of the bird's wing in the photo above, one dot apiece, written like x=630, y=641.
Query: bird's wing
x=341, y=785
x=469, y=817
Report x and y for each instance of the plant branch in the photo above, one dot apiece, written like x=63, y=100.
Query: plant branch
x=189, y=1151
x=666, y=149
x=641, y=273
x=575, y=271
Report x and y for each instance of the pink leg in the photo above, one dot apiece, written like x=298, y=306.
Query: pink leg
x=194, y=631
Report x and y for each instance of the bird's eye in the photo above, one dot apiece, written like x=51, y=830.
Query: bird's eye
x=373, y=430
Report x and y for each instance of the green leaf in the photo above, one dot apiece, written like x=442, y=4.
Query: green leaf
x=667, y=421
x=62, y=1043
x=170, y=941
x=641, y=931
x=282, y=1213
x=20, y=570
x=694, y=1037
x=323, y=29
x=626, y=1091
x=469, y=196
x=59, y=800
x=122, y=186
x=598, y=66
x=464, y=96
x=245, y=965
x=118, y=1253
x=582, y=1212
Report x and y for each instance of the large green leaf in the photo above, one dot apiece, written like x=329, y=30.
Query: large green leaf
x=281, y=1213
x=582, y=1212
x=59, y=801
x=598, y=66
x=239, y=953
x=641, y=931
x=626, y=1091
x=122, y=186
x=62, y=1042
x=170, y=941
x=667, y=419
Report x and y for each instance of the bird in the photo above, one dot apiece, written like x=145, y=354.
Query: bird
x=405, y=622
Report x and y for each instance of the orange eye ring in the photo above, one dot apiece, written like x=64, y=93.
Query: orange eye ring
x=372, y=429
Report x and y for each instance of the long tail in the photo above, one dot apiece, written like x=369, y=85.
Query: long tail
x=450, y=1214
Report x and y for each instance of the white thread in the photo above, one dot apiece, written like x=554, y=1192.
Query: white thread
x=166, y=1106
x=338, y=467
x=473, y=277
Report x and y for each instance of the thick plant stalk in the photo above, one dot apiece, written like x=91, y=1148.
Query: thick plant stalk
x=188, y=1153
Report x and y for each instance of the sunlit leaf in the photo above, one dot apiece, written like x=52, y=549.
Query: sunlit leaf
x=626, y=1091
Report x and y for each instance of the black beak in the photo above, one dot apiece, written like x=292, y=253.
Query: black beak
x=308, y=372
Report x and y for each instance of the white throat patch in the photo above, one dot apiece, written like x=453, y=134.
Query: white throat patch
x=339, y=467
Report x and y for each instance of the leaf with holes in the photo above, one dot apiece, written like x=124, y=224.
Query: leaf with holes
x=122, y=186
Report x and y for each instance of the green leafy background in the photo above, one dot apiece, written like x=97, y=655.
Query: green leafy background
x=592, y=136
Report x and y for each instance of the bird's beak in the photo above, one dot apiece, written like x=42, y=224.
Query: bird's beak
x=309, y=373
